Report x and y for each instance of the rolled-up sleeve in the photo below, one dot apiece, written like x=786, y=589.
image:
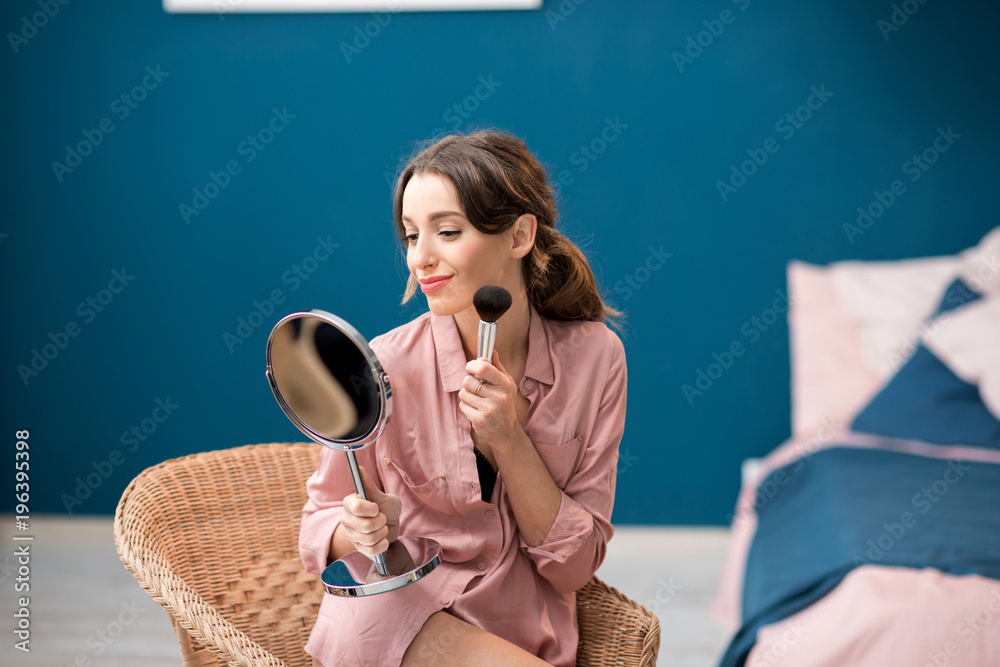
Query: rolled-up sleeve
x=326, y=489
x=576, y=543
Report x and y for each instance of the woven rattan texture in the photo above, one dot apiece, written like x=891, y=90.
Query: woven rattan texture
x=213, y=538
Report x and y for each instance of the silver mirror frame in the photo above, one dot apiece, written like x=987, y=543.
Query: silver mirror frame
x=378, y=376
x=356, y=575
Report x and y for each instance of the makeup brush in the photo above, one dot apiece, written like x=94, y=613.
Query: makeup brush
x=491, y=303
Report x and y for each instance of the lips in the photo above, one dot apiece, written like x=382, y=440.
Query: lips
x=434, y=283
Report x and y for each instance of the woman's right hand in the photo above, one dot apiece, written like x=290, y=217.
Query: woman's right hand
x=370, y=525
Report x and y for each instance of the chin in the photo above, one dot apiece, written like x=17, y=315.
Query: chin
x=445, y=306
x=441, y=307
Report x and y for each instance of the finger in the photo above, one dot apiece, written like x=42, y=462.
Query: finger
x=486, y=371
x=367, y=539
x=360, y=507
x=477, y=367
x=471, y=413
x=367, y=525
x=470, y=399
x=496, y=362
x=475, y=386
x=379, y=547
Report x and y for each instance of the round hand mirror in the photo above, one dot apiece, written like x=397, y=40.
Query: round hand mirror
x=331, y=386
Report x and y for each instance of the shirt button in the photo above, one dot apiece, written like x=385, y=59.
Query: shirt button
x=481, y=566
x=527, y=385
x=444, y=602
x=490, y=514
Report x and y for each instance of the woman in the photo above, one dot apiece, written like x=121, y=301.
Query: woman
x=514, y=474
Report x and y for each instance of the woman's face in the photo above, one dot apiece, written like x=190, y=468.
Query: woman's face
x=449, y=257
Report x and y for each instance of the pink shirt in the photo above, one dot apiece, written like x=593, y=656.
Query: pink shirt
x=575, y=380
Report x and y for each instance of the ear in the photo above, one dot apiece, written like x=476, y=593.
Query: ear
x=524, y=235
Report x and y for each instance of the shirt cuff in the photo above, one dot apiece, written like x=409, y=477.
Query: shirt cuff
x=315, y=536
x=571, y=528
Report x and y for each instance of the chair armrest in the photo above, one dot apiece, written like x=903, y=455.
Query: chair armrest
x=614, y=629
x=189, y=610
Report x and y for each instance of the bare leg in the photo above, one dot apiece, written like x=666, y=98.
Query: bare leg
x=445, y=641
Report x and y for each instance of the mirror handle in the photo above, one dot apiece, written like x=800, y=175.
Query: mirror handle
x=359, y=486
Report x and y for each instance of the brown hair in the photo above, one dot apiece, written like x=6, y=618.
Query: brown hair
x=497, y=180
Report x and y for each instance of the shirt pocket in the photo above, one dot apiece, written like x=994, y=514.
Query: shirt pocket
x=427, y=509
x=561, y=459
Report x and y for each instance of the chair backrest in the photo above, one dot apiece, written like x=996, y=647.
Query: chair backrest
x=213, y=538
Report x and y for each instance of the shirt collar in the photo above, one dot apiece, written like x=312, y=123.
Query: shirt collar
x=451, y=356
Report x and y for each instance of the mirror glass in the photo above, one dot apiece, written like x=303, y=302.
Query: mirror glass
x=327, y=380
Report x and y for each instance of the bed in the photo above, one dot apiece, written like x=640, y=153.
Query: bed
x=872, y=536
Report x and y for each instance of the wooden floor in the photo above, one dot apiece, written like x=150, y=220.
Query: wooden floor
x=87, y=610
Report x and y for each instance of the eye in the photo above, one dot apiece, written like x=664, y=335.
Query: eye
x=410, y=238
x=449, y=233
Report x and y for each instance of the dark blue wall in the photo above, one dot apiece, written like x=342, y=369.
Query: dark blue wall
x=557, y=83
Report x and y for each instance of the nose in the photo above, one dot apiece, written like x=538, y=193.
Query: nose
x=420, y=254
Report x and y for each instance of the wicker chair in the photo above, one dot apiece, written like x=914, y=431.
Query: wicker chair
x=213, y=539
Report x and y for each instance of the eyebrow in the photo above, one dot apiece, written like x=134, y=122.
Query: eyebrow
x=437, y=214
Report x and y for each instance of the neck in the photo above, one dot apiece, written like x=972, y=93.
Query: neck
x=512, y=331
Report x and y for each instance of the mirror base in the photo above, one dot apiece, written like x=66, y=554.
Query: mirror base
x=409, y=559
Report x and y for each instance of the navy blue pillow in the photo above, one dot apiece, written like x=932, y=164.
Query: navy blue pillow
x=926, y=401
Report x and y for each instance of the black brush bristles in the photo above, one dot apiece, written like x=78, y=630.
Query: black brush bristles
x=491, y=302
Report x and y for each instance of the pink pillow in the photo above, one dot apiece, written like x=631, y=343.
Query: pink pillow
x=852, y=324
x=968, y=342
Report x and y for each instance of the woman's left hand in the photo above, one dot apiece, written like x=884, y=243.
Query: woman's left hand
x=493, y=412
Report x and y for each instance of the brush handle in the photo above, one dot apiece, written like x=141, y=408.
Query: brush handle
x=487, y=338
